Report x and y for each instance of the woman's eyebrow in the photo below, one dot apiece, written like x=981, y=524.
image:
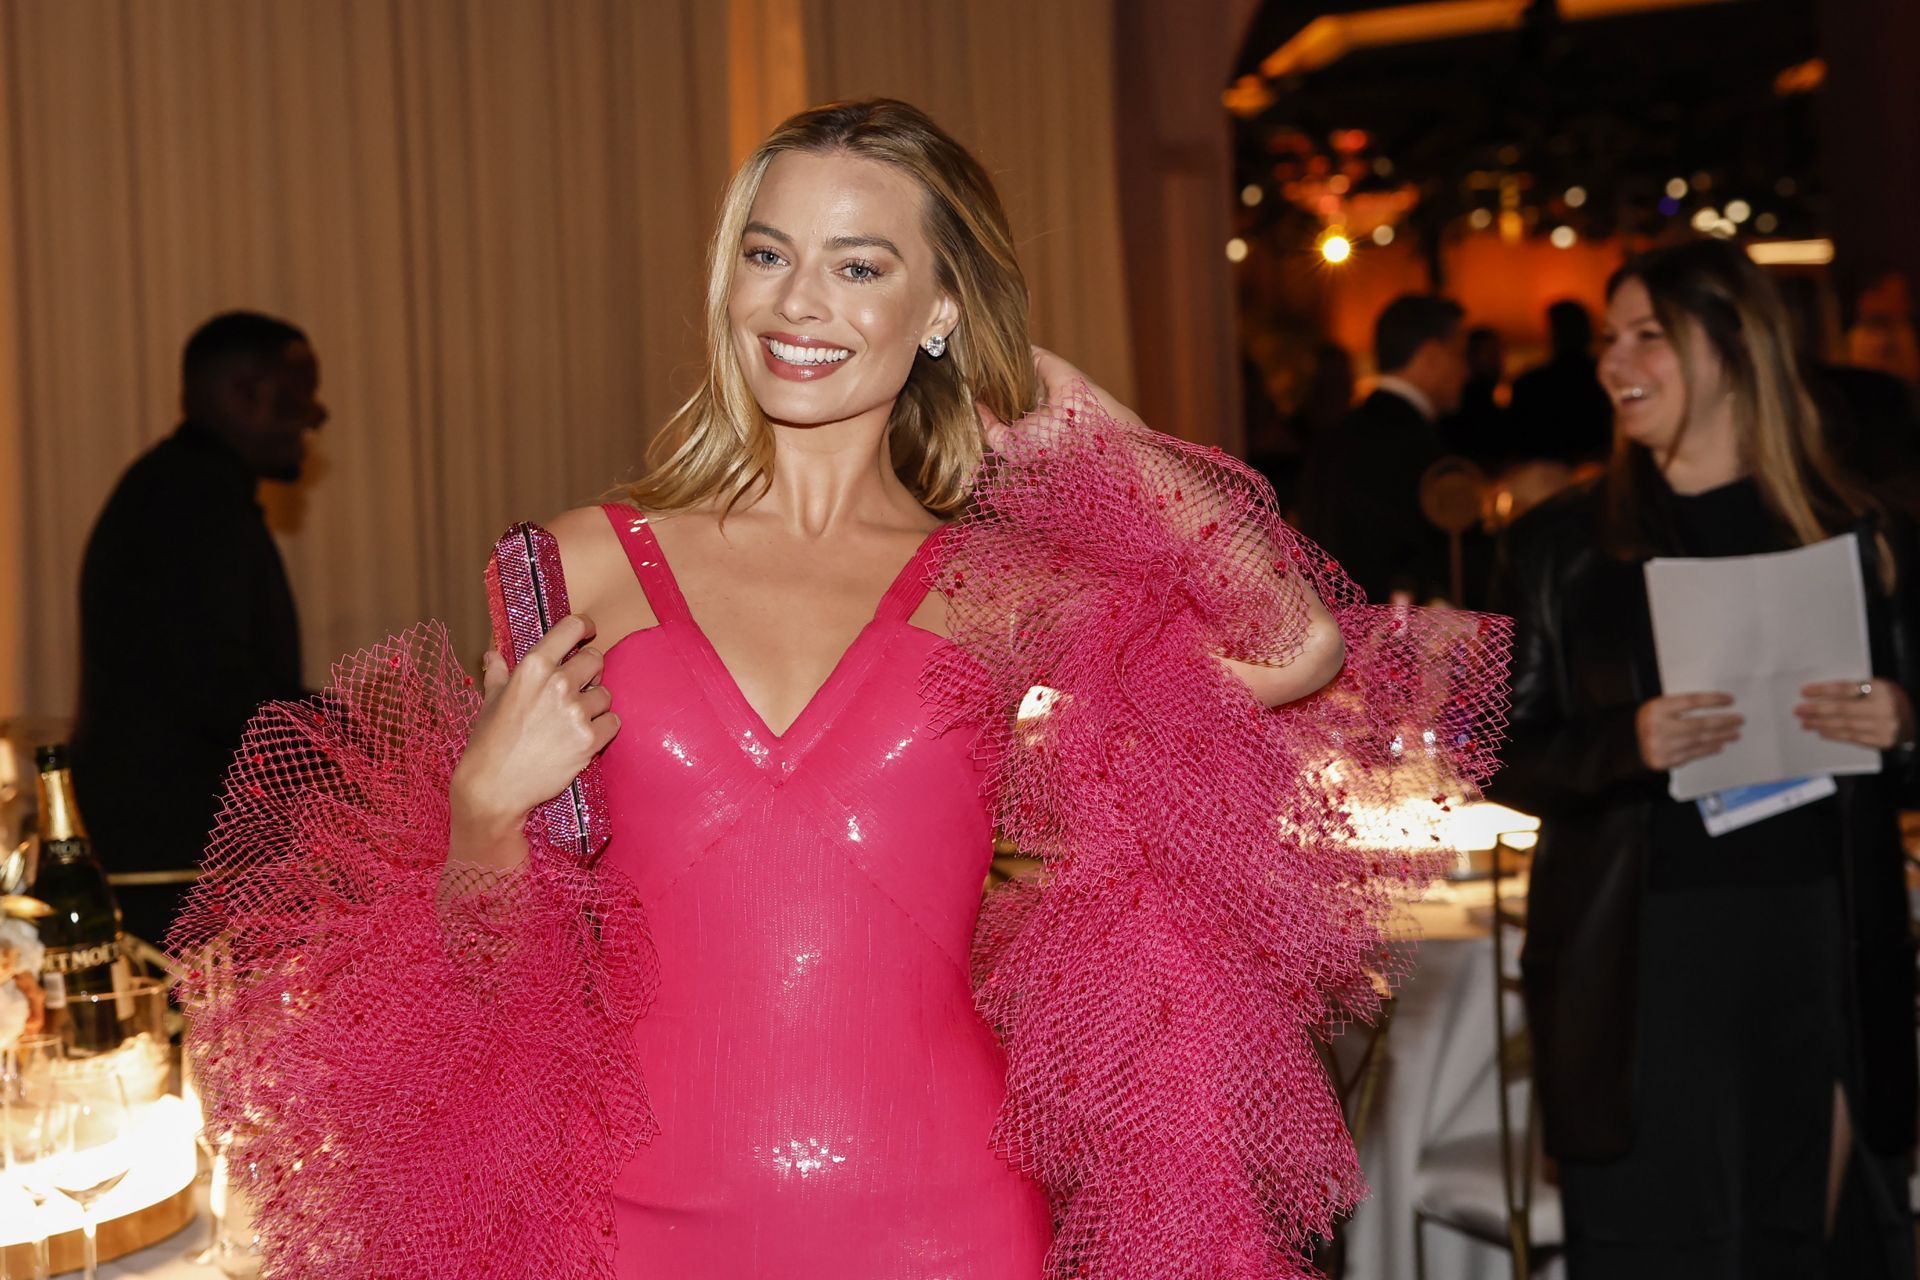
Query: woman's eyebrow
x=865, y=242
x=772, y=233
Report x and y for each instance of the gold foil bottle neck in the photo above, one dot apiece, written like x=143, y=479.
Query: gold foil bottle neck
x=59, y=815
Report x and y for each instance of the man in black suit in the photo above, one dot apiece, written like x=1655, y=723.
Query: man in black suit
x=186, y=620
x=1559, y=410
x=1361, y=499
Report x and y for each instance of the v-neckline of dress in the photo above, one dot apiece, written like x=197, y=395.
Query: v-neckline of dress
x=755, y=736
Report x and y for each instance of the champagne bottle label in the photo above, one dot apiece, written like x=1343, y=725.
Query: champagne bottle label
x=66, y=960
x=55, y=986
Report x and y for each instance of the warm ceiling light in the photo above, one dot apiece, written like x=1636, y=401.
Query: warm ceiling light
x=1236, y=250
x=1332, y=36
x=1383, y=235
x=1802, y=77
x=1791, y=253
x=1247, y=97
x=1563, y=237
x=1335, y=247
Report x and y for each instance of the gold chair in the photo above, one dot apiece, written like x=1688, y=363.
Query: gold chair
x=1489, y=1186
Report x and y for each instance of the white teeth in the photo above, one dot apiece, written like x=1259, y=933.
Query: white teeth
x=807, y=355
x=1626, y=394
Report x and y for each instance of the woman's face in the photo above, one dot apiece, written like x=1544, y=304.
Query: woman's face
x=834, y=290
x=1641, y=370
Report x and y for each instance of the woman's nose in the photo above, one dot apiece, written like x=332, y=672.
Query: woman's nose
x=800, y=302
x=1612, y=360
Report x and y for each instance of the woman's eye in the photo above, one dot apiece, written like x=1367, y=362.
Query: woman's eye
x=861, y=272
x=763, y=257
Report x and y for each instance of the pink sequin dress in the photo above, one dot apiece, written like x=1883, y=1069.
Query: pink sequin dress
x=824, y=1089
x=740, y=1043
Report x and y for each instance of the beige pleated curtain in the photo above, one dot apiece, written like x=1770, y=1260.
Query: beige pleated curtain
x=490, y=217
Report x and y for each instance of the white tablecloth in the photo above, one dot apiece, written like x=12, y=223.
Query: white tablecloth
x=1440, y=1085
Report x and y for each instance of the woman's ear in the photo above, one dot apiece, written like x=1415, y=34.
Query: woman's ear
x=945, y=318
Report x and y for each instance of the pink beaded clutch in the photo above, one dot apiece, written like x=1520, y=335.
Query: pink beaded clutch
x=527, y=595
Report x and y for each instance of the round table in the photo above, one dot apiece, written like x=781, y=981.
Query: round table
x=1439, y=1085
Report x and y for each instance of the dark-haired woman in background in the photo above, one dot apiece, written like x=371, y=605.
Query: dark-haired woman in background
x=1723, y=1026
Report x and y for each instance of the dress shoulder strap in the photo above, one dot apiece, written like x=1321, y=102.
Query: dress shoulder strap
x=913, y=582
x=649, y=565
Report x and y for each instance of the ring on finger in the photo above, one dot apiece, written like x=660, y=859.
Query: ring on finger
x=1863, y=689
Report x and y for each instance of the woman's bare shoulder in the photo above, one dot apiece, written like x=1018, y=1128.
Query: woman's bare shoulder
x=600, y=581
x=586, y=537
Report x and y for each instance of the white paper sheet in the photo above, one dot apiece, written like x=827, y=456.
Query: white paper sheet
x=1761, y=628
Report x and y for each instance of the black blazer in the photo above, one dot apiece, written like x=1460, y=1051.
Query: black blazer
x=1360, y=498
x=1582, y=664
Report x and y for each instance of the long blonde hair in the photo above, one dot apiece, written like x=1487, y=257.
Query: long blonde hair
x=718, y=447
x=1712, y=287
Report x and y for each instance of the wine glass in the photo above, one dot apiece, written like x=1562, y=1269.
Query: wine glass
x=26, y=1134
x=28, y=1144
x=91, y=1152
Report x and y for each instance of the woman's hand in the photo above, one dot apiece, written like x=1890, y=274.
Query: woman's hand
x=1872, y=713
x=537, y=729
x=1671, y=732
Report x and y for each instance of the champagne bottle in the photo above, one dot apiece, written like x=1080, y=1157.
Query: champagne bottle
x=81, y=925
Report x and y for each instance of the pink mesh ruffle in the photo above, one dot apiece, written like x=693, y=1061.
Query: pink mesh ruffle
x=429, y=1075
x=1219, y=877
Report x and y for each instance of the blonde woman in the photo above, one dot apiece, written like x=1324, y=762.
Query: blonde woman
x=1723, y=1024
x=850, y=1069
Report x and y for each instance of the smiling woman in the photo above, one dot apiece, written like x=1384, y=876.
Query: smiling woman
x=870, y=231
x=832, y=298
x=812, y=640
x=1722, y=1020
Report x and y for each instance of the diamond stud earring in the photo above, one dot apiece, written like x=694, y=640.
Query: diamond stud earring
x=935, y=345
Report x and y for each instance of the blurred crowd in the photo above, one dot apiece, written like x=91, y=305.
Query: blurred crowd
x=1449, y=399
